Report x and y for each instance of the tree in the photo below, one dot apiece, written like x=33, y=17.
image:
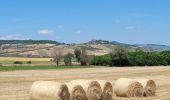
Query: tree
x=67, y=59
x=77, y=53
x=137, y=58
x=57, y=55
x=81, y=56
x=84, y=57
x=119, y=56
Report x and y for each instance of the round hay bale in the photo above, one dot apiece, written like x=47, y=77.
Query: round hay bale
x=92, y=88
x=149, y=86
x=48, y=90
x=76, y=92
x=125, y=87
x=107, y=90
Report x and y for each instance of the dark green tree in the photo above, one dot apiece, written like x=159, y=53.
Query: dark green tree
x=119, y=56
x=84, y=57
x=77, y=53
x=68, y=59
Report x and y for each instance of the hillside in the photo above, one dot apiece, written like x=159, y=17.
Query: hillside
x=153, y=47
x=43, y=48
x=28, y=42
x=146, y=47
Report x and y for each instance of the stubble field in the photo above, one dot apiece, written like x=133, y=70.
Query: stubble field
x=15, y=85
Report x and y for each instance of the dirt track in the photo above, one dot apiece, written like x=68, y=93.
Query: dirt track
x=15, y=85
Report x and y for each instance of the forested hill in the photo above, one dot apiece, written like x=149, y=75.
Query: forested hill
x=29, y=42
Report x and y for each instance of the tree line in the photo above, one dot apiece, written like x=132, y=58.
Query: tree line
x=121, y=57
x=118, y=57
x=80, y=54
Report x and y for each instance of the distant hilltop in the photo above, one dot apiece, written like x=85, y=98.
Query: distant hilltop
x=146, y=47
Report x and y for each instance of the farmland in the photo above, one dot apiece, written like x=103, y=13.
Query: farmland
x=14, y=68
x=9, y=61
x=15, y=85
x=12, y=59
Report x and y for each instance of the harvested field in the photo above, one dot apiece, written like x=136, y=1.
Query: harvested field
x=15, y=85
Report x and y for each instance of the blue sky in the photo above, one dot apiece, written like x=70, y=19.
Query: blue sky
x=74, y=21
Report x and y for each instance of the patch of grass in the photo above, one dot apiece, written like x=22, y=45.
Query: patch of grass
x=14, y=68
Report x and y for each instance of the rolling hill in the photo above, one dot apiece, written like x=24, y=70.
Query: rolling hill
x=147, y=47
x=43, y=48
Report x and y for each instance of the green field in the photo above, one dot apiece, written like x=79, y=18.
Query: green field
x=13, y=68
x=24, y=59
x=7, y=64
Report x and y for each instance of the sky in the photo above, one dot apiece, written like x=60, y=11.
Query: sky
x=77, y=21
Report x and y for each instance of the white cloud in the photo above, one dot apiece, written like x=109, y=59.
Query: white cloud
x=45, y=31
x=60, y=26
x=13, y=37
x=130, y=28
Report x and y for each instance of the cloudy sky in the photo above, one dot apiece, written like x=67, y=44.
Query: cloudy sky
x=73, y=21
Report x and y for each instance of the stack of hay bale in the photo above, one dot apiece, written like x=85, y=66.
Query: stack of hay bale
x=92, y=89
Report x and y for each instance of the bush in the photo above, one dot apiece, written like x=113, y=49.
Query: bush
x=18, y=62
x=104, y=60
